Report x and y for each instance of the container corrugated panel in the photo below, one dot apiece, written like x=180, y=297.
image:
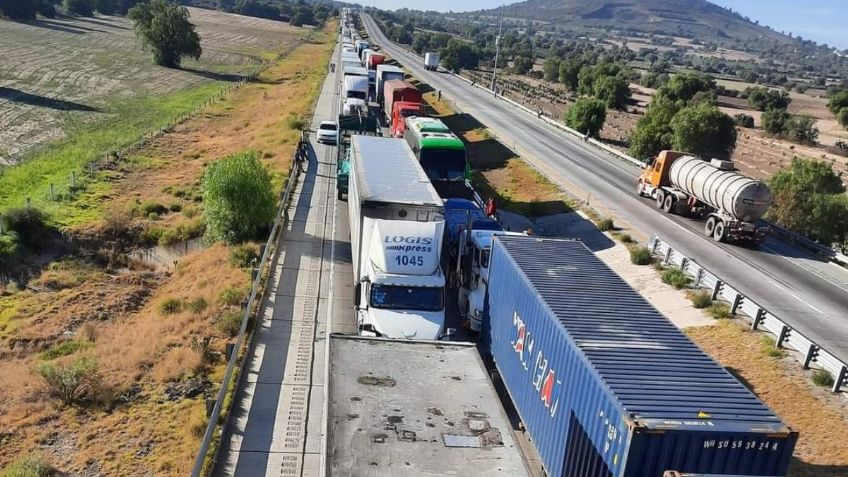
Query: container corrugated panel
x=605, y=384
x=388, y=171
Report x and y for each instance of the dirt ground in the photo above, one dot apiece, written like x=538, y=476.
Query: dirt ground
x=157, y=336
x=820, y=417
x=58, y=73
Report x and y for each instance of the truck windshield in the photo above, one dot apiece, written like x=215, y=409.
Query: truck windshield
x=443, y=164
x=410, y=112
x=356, y=94
x=394, y=297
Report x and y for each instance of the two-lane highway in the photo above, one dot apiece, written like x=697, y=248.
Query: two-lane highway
x=809, y=294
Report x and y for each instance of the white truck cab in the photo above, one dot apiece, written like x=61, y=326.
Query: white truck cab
x=356, y=93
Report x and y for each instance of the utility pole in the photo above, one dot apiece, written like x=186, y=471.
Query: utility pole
x=497, y=52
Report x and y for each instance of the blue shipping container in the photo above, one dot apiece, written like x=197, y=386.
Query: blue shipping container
x=605, y=384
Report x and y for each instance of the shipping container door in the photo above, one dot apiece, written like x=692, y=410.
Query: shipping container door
x=581, y=457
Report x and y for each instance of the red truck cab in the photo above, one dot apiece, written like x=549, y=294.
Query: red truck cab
x=402, y=110
x=374, y=60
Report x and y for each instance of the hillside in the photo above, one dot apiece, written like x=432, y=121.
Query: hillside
x=688, y=18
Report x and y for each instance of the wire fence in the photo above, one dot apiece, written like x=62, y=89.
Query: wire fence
x=203, y=461
x=786, y=337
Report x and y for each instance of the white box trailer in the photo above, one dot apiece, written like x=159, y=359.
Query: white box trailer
x=398, y=407
x=431, y=61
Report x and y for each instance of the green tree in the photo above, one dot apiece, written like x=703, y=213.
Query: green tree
x=775, y=121
x=80, y=7
x=653, y=131
x=684, y=86
x=569, y=72
x=420, y=42
x=19, y=9
x=842, y=117
x=802, y=130
x=809, y=198
x=458, y=55
x=744, y=120
x=522, y=65
x=165, y=29
x=106, y=7
x=587, y=115
x=302, y=15
x=703, y=130
x=238, y=198
x=764, y=99
x=654, y=80
x=551, y=68
x=614, y=91
x=838, y=101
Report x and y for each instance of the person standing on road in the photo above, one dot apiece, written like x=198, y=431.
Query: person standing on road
x=491, y=208
x=439, y=95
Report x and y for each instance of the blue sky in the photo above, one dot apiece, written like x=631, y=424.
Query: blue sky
x=819, y=20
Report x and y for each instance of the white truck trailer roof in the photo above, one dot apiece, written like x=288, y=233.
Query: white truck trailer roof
x=400, y=407
x=387, y=171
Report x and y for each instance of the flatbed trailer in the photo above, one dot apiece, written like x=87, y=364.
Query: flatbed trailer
x=398, y=407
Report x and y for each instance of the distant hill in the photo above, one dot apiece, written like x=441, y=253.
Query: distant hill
x=688, y=18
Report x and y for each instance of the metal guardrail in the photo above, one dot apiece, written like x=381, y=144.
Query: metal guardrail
x=233, y=359
x=761, y=319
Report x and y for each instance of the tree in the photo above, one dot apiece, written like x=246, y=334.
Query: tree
x=80, y=7
x=703, y=130
x=522, y=65
x=106, y=7
x=684, y=86
x=774, y=121
x=614, y=91
x=654, y=80
x=809, y=198
x=551, y=68
x=842, y=117
x=165, y=29
x=653, y=131
x=764, y=99
x=838, y=101
x=238, y=198
x=569, y=71
x=587, y=115
x=302, y=15
x=19, y=9
x=420, y=42
x=802, y=129
x=458, y=54
x=744, y=120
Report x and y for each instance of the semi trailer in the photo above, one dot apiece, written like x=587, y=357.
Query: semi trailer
x=431, y=61
x=605, y=385
x=396, y=233
x=386, y=73
x=416, y=408
x=731, y=203
x=398, y=90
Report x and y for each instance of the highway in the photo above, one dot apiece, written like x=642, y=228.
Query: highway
x=806, y=292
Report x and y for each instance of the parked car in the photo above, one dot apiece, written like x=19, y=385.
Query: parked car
x=328, y=132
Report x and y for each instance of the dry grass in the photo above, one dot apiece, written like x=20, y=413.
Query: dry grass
x=139, y=350
x=783, y=386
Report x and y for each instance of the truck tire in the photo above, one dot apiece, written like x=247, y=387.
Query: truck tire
x=709, y=228
x=639, y=191
x=668, y=203
x=660, y=199
x=720, y=231
x=339, y=195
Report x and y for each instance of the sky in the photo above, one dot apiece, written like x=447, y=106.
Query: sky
x=819, y=20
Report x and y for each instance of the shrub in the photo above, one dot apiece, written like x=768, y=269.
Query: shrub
x=80, y=7
x=229, y=323
x=181, y=233
x=72, y=383
x=89, y=332
x=9, y=248
x=623, y=238
x=606, y=224
x=33, y=465
x=175, y=207
x=822, y=378
x=769, y=349
x=701, y=299
x=152, y=235
x=63, y=349
x=203, y=347
x=676, y=278
x=171, y=306
x=640, y=256
x=190, y=212
x=587, y=116
x=152, y=207
x=198, y=305
x=231, y=296
x=28, y=223
x=744, y=120
x=243, y=255
x=719, y=311
x=295, y=122
x=239, y=198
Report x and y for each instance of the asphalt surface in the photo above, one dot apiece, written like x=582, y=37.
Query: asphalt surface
x=808, y=293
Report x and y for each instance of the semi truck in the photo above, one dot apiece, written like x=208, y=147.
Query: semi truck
x=602, y=381
x=417, y=408
x=397, y=90
x=400, y=111
x=731, y=203
x=355, y=93
x=396, y=229
x=361, y=45
x=386, y=73
x=431, y=61
x=442, y=155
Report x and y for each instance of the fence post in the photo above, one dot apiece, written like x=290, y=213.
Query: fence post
x=668, y=253
x=716, y=289
x=783, y=336
x=210, y=406
x=683, y=262
x=699, y=276
x=761, y=315
x=736, y=302
x=812, y=355
x=840, y=379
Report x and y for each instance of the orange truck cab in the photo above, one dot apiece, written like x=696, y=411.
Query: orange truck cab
x=655, y=174
x=402, y=110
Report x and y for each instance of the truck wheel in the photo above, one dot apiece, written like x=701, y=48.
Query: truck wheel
x=710, y=227
x=339, y=195
x=719, y=233
x=668, y=203
x=639, y=191
x=660, y=199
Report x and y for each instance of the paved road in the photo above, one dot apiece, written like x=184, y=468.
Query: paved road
x=276, y=426
x=806, y=292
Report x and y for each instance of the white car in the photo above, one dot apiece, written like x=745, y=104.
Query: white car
x=328, y=132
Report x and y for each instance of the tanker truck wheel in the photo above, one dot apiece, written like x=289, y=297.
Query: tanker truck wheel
x=668, y=203
x=719, y=233
x=639, y=191
x=660, y=199
x=710, y=227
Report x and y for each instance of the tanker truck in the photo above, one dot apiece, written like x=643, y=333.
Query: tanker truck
x=730, y=202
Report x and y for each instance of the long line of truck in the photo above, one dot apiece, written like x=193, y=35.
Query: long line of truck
x=604, y=384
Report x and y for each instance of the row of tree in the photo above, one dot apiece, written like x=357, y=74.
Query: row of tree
x=296, y=12
x=28, y=9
